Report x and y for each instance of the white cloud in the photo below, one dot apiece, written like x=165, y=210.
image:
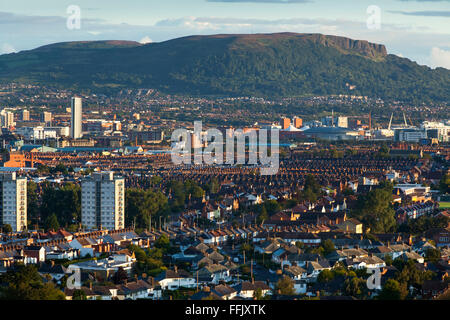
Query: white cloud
x=146, y=40
x=440, y=58
x=7, y=48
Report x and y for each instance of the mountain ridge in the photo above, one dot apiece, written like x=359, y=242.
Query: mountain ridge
x=280, y=64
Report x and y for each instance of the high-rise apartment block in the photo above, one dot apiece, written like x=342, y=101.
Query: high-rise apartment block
x=76, y=119
x=46, y=117
x=285, y=123
x=25, y=115
x=298, y=122
x=7, y=119
x=13, y=205
x=103, y=201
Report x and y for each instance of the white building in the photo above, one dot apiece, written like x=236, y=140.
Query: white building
x=76, y=120
x=437, y=130
x=7, y=119
x=103, y=201
x=60, y=131
x=342, y=122
x=37, y=133
x=408, y=189
x=13, y=209
x=331, y=121
x=410, y=134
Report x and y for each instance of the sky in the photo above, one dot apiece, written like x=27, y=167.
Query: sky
x=415, y=29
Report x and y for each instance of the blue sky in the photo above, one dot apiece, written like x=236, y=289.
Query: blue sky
x=416, y=29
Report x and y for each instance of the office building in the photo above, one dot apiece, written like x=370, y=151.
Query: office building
x=37, y=133
x=13, y=195
x=409, y=134
x=76, y=120
x=436, y=130
x=103, y=201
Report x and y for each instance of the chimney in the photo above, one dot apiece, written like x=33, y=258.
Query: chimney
x=206, y=289
x=90, y=285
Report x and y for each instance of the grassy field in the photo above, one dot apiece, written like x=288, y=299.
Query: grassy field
x=444, y=205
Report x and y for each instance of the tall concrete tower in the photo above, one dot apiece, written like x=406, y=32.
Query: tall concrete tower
x=77, y=114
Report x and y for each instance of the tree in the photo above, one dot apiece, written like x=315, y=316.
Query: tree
x=311, y=190
x=376, y=210
x=392, y=290
x=162, y=242
x=64, y=202
x=325, y=276
x=155, y=180
x=444, y=184
x=328, y=247
x=7, y=228
x=214, y=186
x=354, y=286
x=79, y=295
x=263, y=216
x=257, y=294
x=197, y=192
x=410, y=275
x=423, y=223
x=285, y=286
x=143, y=206
x=384, y=151
x=272, y=206
x=51, y=223
x=388, y=259
x=299, y=244
x=61, y=168
x=32, y=202
x=432, y=255
x=25, y=283
x=120, y=276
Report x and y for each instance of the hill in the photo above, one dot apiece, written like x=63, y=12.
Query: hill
x=283, y=64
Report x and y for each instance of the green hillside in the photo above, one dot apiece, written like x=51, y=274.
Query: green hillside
x=272, y=65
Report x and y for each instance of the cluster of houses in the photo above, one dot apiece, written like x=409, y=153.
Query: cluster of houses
x=215, y=267
x=414, y=211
